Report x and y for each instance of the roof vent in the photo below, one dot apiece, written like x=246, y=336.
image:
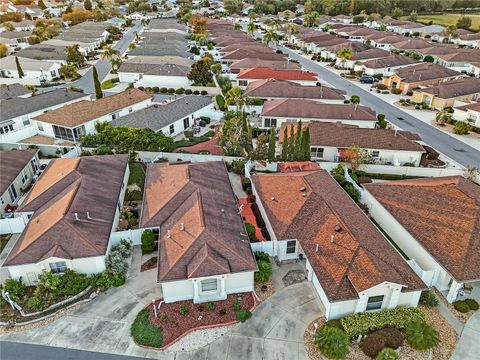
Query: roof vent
x=76, y=216
x=169, y=235
x=304, y=194
x=182, y=226
x=316, y=248
x=273, y=198
x=303, y=188
x=337, y=228
x=222, y=210
x=332, y=239
x=88, y=215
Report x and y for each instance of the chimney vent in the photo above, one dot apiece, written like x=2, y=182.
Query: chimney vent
x=182, y=226
x=316, y=248
x=337, y=228
x=168, y=234
x=76, y=216
x=88, y=215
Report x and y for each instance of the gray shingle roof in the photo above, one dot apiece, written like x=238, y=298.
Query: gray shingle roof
x=13, y=91
x=12, y=108
x=43, y=52
x=157, y=117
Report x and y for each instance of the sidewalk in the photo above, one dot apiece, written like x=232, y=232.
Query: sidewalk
x=468, y=347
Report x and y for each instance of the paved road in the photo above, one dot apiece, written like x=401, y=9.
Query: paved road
x=446, y=144
x=17, y=351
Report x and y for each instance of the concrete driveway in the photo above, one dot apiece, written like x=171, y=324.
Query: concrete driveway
x=275, y=330
x=468, y=347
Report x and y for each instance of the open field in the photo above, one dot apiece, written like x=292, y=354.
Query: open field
x=449, y=19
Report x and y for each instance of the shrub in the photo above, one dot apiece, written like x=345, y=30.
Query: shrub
x=156, y=89
x=243, y=315
x=163, y=90
x=188, y=134
x=236, y=305
x=363, y=323
x=260, y=255
x=461, y=128
x=73, y=283
x=144, y=333
x=179, y=91
x=377, y=340
x=251, y=230
x=124, y=248
x=396, y=91
x=381, y=87
x=183, y=310
x=387, y=354
x=264, y=271
x=428, y=298
x=334, y=323
x=421, y=336
x=472, y=304
x=106, y=280
x=246, y=183
x=148, y=242
x=222, y=312
x=204, y=92
x=36, y=303
x=332, y=342
x=163, y=317
x=188, y=92
x=238, y=167
x=116, y=263
x=171, y=90
x=15, y=288
x=196, y=92
x=461, y=306
x=352, y=191
x=220, y=102
x=211, y=305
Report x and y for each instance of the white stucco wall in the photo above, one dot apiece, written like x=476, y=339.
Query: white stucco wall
x=360, y=123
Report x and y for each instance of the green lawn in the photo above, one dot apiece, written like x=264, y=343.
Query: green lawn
x=144, y=333
x=137, y=177
x=4, y=240
x=449, y=19
x=108, y=84
x=195, y=140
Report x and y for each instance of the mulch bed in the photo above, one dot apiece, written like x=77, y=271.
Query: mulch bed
x=210, y=145
x=149, y=264
x=249, y=216
x=199, y=316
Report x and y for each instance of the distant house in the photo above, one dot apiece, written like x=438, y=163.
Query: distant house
x=418, y=215
x=17, y=169
x=470, y=40
x=247, y=76
x=387, y=42
x=24, y=25
x=70, y=214
x=15, y=40
x=204, y=253
x=13, y=91
x=34, y=71
x=447, y=93
x=469, y=112
x=249, y=63
x=411, y=77
x=277, y=112
x=160, y=71
x=359, y=57
x=385, y=66
x=351, y=265
x=45, y=51
x=71, y=121
x=171, y=118
x=459, y=60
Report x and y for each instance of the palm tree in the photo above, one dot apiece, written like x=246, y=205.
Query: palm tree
x=451, y=31
x=252, y=15
x=109, y=53
x=251, y=27
x=235, y=96
x=421, y=336
x=344, y=54
x=273, y=23
x=291, y=29
x=311, y=19
x=270, y=37
x=237, y=26
x=115, y=62
x=131, y=46
x=443, y=117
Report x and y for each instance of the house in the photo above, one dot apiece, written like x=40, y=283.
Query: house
x=17, y=112
x=249, y=63
x=13, y=91
x=387, y=42
x=44, y=51
x=469, y=112
x=71, y=121
x=161, y=71
x=34, y=71
x=355, y=33
x=301, y=77
x=460, y=60
x=276, y=112
x=435, y=221
x=359, y=57
x=70, y=215
x=351, y=265
x=471, y=40
x=24, y=25
x=408, y=78
x=331, y=52
x=173, y=117
x=411, y=45
x=18, y=168
x=385, y=66
x=15, y=40
x=329, y=141
x=271, y=89
x=204, y=253
x=446, y=93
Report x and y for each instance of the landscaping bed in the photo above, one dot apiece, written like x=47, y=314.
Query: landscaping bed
x=149, y=264
x=136, y=182
x=264, y=290
x=4, y=240
x=463, y=317
x=177, y=319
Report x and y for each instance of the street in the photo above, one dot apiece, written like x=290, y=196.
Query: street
x=444, y=143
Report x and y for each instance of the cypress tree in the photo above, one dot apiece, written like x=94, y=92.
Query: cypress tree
x=285, y=144
x=306, y=144
x=19, y=68
x=271, y=145
x=291, y=143
x=96, y=83
x=298, y=142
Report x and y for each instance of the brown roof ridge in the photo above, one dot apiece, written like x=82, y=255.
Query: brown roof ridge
x=82, y=236
x=209, y=252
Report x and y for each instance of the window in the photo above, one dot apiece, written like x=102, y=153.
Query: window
x=78, y=131
x=375, y=302
x=316, y=152
x=130, y=109
x=40, y=126
x=13, y=193
x=291, y=246
x=53, y=73
x=26, y=121
x=24, y=176
x=242, y=82
x=172, y=129
x=186, y=123
x=375, y=153
x=209, y=285
x=58, y=267
x=114, y=116
x=63, y=133
x=270, y=122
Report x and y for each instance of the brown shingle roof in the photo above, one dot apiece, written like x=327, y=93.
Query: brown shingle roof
x=199, y=196
x=309, y=109
x=68, y=187
x=442, y=214
x=248, y=63
x=392, y=60
x=83, y=111
x=12, y=162
x=273, y=88
x=370, y=54
x=269, y=73
x=307, y=207
x=454, y=88
x=425, y=71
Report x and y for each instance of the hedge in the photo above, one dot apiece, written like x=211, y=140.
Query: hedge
x=363, y=323
x=220, y=102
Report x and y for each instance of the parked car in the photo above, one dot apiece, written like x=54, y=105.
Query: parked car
x=367, y=79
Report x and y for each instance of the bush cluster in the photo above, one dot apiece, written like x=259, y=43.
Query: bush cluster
x=148, y=242
x=238, y=166
x=465, y=306
x=387, y=354
x=332, y=342
x=264, y=272
x=246, y=184
x=428, y=298
x=251, y=230
x=377, y=340
x=144, y=333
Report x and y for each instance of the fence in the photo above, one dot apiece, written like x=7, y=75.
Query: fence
x=147, y=156
x=11, y=226
x=264, y=246
x=18, y=134
x=427, y=276
x=133, y=235
x=24, y=81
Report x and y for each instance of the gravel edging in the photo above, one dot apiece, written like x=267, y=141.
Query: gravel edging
x=463, y=317
x=264, y=295
x=199, y=338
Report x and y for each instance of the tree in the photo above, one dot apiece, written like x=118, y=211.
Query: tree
x=355, y=157
x=291, y=30
x=41, y=5
x=97, y=85
x=397, y=13
x=273, y=23
x=298, y=150
x=131, y=46
x=3, y=50
x=235, y=138
x=311, y=19
x=262, y=149
x=69, y=72
x=109, y=53
x=382, y=27
x=237, y=26
x=413, y=16
x=8, y=26
x=115, y=63
x=381, y=122
x=252, y=15
x=270, y=37
x=235, y=96
x=306, y=145
x=421, y=336
x=233, y=6
x=46, y=29
x=344, y=54
x=332, y=342
x=355, y=99
x=271, y=145
x=451, y=31
x=200, y=73
x=198, y=24
x=148, y=241
x=461, y=128
x=87, y=4
x=251, y=27
x=285, y=144
x=77, y=16
x=464, y=22
x=74, y=56
x=19, y=68
x=443, y=117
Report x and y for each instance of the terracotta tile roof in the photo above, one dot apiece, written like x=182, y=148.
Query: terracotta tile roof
x=307, y=207
x=269, y=73
x=200, y=228
x=454, y=88
x=297, y=166
x=442, y=214
x=68, y=187
x=272, y=88
x=344, y=136
x=308, y=109
x=12, y=162
x=424, y=72
x=83, y=111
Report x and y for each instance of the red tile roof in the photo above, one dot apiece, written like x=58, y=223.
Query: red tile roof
x=269, y=73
